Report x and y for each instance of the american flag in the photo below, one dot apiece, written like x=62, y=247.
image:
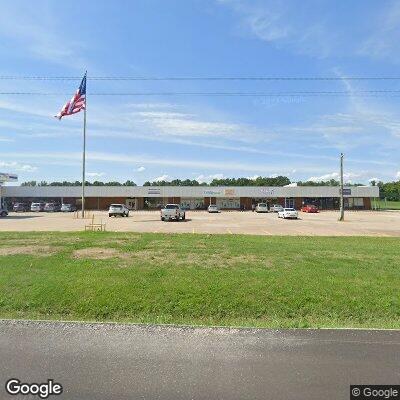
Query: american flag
x=77, y=103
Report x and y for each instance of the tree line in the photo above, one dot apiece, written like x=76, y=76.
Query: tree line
x=388, y=190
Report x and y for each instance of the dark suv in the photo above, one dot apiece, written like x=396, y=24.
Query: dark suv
x=52, y=207
x=21, y=207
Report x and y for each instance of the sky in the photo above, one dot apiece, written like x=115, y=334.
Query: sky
x=164, y=137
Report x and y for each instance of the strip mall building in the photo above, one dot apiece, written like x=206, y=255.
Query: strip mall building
x=195, y=197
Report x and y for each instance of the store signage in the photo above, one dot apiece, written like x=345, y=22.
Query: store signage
x=229, y=192
x=268, y=192
x=346, y=192
x=5, y=177
x=212, y=192
x=154, y=191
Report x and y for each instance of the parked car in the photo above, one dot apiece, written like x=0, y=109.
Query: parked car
x=172, y=211
x=118, y=209
x=37, y=207
x=213, y=208
x=52, y=207
x=3, y=212
x=68, y=207
x=276, y=208
x=21, y=207
x=288, y=213
x=261, y=208
x=309, y=208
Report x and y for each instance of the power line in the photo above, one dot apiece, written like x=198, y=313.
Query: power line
x=359, y=93
x=202, y=78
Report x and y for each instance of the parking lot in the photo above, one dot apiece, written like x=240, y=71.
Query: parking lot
x=361, y=223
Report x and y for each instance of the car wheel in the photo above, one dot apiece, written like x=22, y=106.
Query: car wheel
x=183, y=217
x=3, y=214
x=162, y=218
x=110, y=215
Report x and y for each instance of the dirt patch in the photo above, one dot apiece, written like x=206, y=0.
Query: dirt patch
x=198, y=260
x=99, y=253
x=41, y=251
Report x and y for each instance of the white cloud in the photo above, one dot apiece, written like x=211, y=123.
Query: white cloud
x=335, y=175
x=141, y=169
x=178, y=124
x=398, y=174
x=95, y=174
x=149, y=106
x=382, y=42
x=15, y=166
x=279, y=24
x=132, y=159
x=164, y=177
x=208, y=178
x=36, y=32
x=5, y=139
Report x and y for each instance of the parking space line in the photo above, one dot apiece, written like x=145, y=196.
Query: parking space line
x=193, y=230
x=267, y=233
x=229, y=231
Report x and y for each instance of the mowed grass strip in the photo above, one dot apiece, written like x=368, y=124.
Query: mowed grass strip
x=235, y=280
x=388, y=205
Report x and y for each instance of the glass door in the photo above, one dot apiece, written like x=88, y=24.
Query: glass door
x=289, y=202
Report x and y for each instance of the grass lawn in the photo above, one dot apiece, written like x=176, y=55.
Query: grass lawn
x=388, y=205
x=236, y=280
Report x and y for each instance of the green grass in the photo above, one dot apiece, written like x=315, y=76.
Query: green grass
x=236, y=280
x=387, y=205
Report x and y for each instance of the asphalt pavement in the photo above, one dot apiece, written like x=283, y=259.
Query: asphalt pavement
x=113, y=361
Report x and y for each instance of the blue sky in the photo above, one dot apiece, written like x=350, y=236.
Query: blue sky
x=151, y=137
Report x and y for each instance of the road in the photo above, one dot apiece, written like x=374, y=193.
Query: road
x=110, y=361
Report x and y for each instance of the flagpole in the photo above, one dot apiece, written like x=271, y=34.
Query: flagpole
x=84, y=158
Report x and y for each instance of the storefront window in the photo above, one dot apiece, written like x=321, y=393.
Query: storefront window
x=225, y=203
x=155, y=202
x=190, y=203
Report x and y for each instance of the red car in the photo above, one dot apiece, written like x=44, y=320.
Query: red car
x=309, y=208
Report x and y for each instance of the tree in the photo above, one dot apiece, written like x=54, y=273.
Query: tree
x=129, y=183
x=29, y=183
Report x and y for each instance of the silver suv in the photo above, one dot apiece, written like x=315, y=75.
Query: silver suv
x=118, y=209
x=37, y=207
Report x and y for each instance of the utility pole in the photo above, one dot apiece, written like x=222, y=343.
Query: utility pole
x=341, y=218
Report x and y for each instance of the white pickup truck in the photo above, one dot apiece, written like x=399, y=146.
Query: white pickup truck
x=172, y=211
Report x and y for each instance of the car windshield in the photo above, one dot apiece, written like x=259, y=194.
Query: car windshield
x=171, y=207
x=262, y=205
x=66, y=205
x=290, y=209
x=116, y=206
x=35, y=204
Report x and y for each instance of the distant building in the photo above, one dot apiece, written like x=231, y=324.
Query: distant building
x=196, y=197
